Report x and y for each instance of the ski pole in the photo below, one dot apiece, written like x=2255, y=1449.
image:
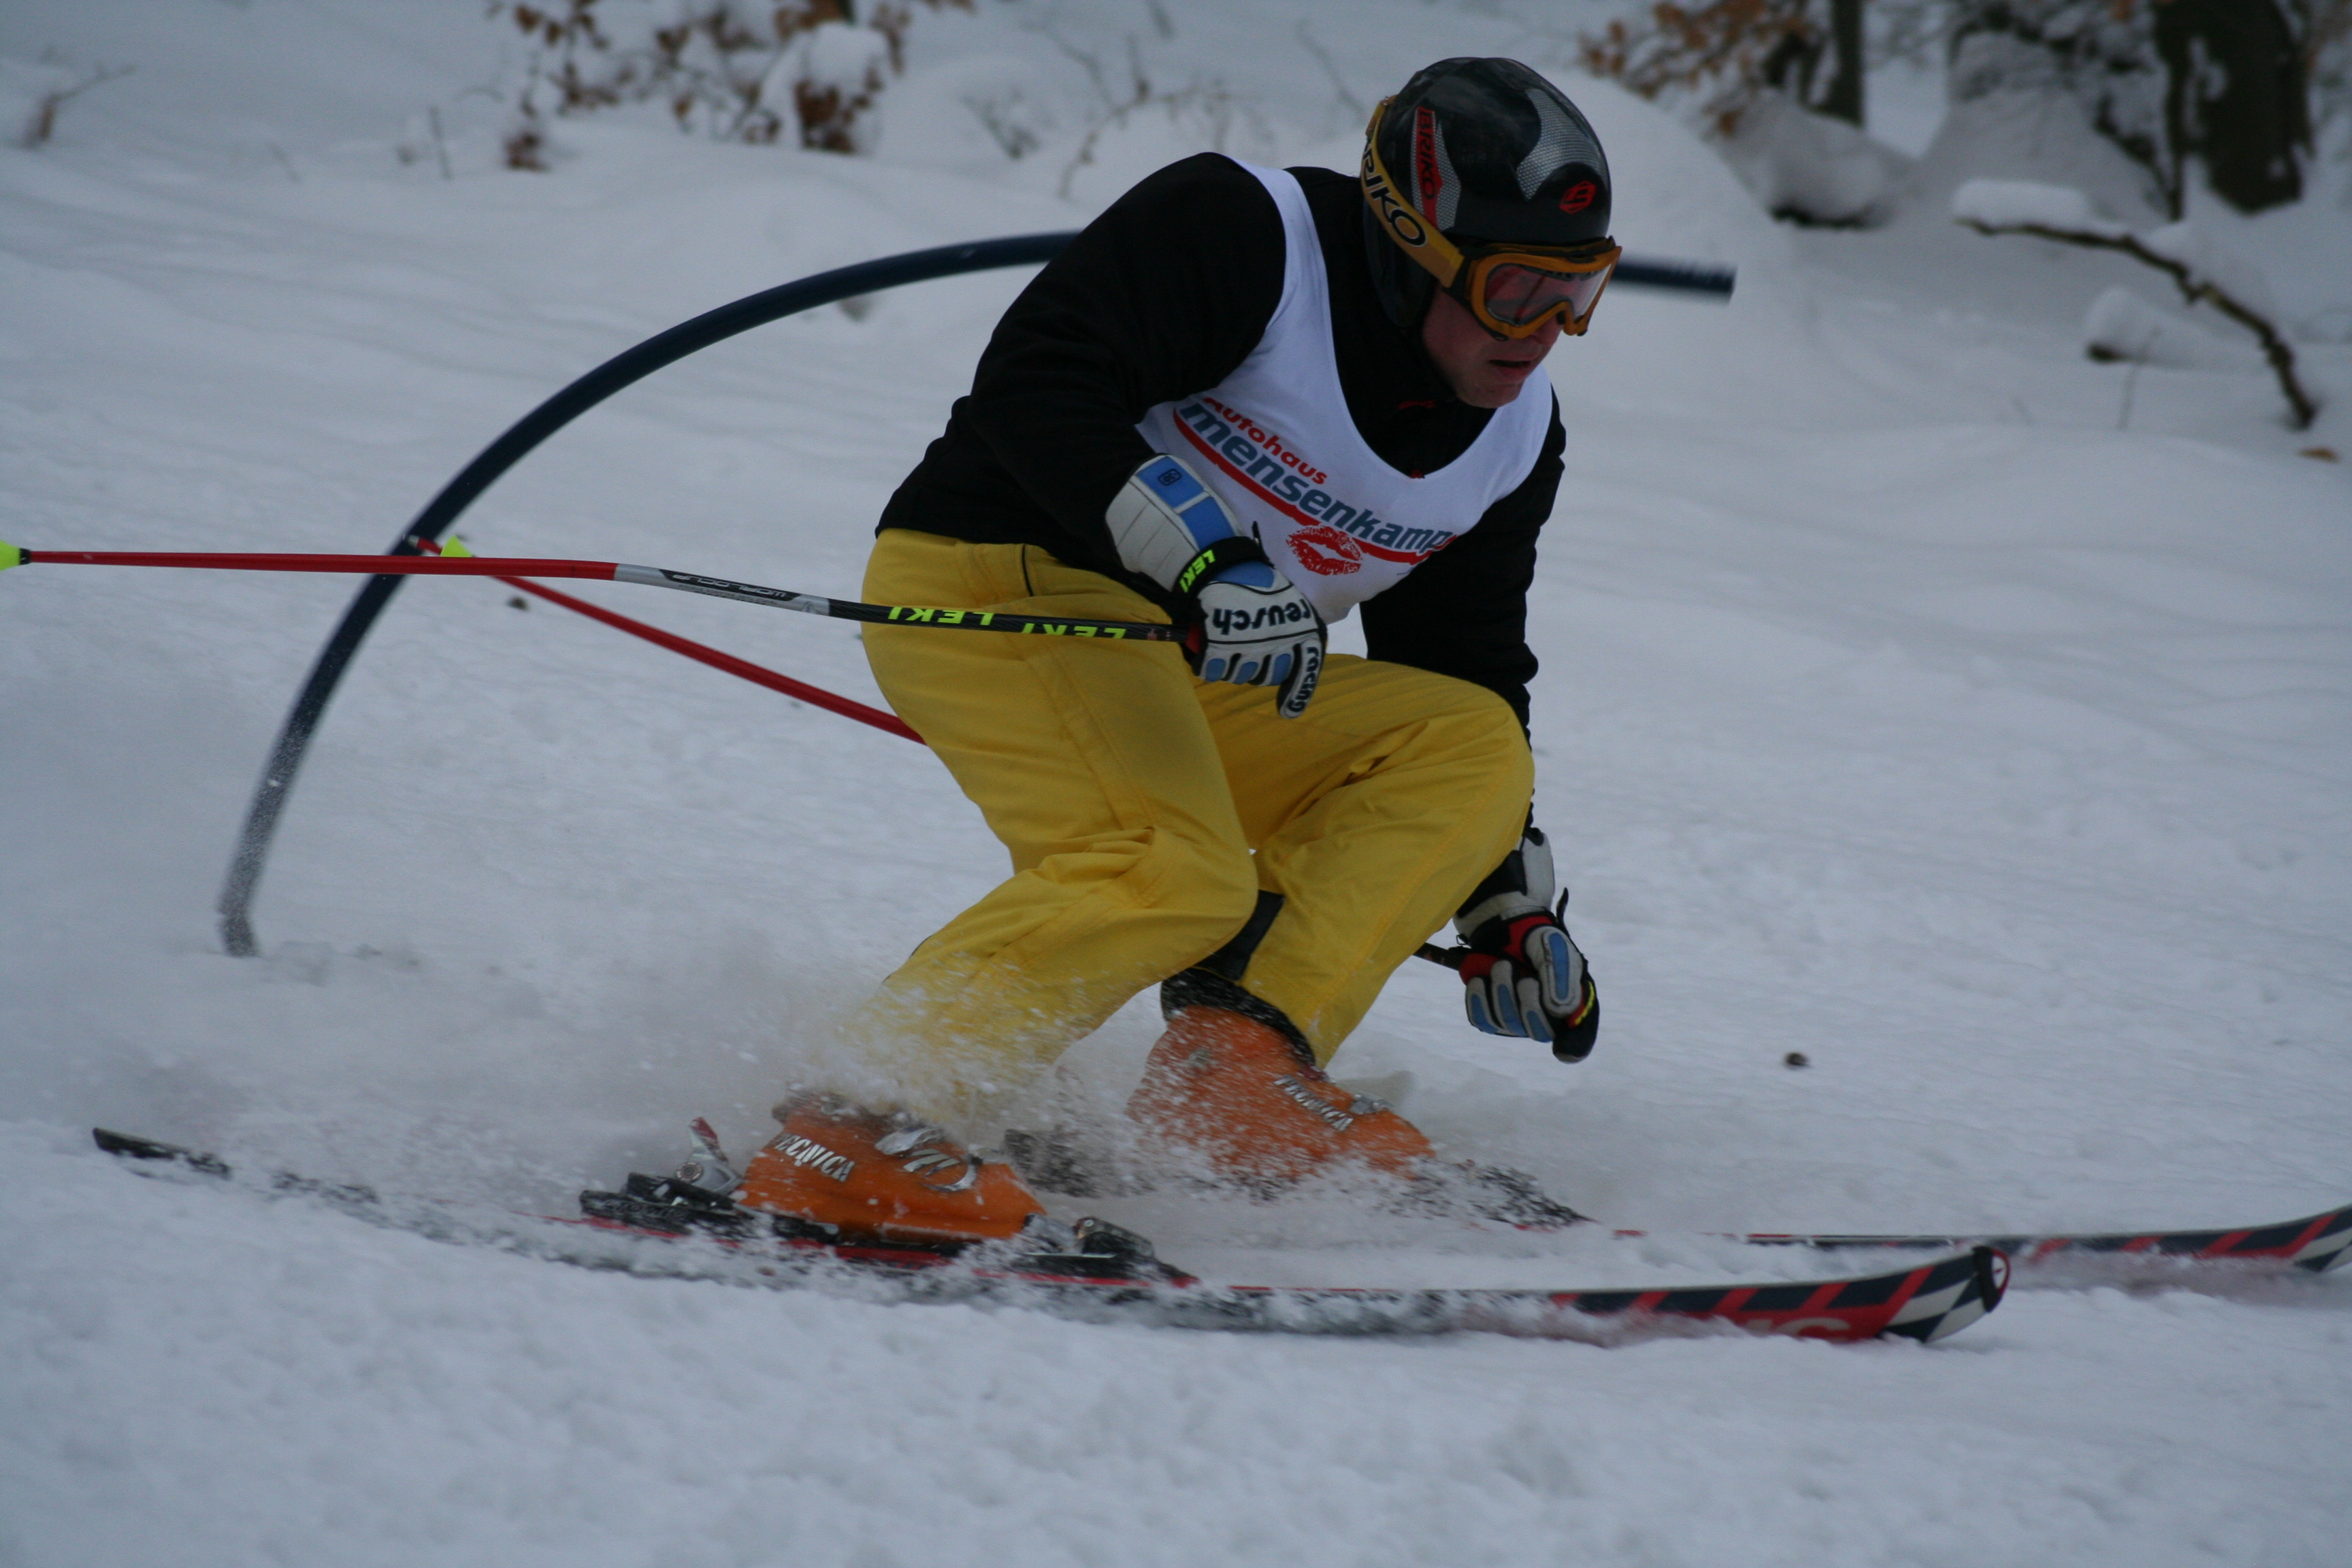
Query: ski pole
x=456, y=561
x=1450, y=957
x=452, y=564
x=758, y=675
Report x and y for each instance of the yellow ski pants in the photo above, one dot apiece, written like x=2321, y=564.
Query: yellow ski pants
x=1132, y=796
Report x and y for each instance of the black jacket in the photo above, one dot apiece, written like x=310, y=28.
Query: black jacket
x=1163, y=296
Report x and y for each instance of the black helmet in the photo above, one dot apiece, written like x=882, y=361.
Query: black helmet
x=1490, y=153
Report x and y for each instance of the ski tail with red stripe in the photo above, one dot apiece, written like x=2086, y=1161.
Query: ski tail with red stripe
x=2315, y=1243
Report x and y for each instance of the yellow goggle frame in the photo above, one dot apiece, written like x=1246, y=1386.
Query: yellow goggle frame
x=1510, y=291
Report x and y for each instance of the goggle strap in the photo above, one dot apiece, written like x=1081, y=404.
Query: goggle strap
x=1414, y=235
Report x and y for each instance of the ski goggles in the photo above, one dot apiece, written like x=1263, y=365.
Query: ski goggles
x=1509, y=290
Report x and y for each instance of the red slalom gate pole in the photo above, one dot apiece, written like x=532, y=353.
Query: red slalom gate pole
x=451, y=564
x=815, y=696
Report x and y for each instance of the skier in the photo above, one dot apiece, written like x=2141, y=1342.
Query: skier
x=1246, y=400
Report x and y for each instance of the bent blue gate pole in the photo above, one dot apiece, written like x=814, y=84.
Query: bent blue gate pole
x=713, y=326
x=758, y=310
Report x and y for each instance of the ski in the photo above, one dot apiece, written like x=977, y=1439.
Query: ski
x=1059, y=1161
x=1097, y=1272
x=2315, y=1243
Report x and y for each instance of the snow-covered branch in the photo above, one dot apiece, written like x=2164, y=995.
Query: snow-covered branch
x=2066, y=216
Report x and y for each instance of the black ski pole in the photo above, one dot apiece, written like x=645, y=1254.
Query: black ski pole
x=452, y=563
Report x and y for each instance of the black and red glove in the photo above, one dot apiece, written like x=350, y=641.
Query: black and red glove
x=1524, y=974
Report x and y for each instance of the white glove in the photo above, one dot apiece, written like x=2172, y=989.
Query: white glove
x=1248, y=623
x=1257, y=630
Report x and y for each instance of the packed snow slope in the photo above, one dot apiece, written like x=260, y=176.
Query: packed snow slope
x=1919, y=696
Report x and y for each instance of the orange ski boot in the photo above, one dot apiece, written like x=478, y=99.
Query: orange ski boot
x=866, y=1176
x=1236, y=1093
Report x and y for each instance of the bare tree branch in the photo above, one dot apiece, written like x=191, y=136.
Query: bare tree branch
x=42, y=123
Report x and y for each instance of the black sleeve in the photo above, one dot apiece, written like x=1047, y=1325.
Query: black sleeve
x=1163, y=295
x=1463, y=612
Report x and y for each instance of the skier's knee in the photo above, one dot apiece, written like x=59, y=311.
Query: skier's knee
x=1204, y=891
x=1480, y=731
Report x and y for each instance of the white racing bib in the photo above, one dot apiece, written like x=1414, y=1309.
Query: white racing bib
x=1275, y=441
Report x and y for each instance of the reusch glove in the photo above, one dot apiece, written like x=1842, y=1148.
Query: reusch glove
x=1248, y=625
x=1524, y=975
x=1255, y=630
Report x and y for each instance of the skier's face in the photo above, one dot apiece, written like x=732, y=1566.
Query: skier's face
x=1483, y=370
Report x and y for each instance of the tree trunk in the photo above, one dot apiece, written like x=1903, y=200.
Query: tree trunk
x=2234, y=97
x=1843, y=99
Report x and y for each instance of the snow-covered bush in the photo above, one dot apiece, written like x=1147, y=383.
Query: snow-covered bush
x=730, y=70
x=1779, y=85
x=1810, y=168
x=2173, y=85
x=2224, y=83
x=2097, y=56
x=1728, y=52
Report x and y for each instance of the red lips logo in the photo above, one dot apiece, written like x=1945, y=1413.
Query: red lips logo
x=1325, y=550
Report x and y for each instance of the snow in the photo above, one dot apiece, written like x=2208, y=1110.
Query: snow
x=2192, y=246
x=2010, y=202
x=1899, y=708
x=2125, y=325
x=1814, y=166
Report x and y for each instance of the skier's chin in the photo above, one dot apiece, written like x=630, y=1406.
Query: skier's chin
x=1502, y=382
